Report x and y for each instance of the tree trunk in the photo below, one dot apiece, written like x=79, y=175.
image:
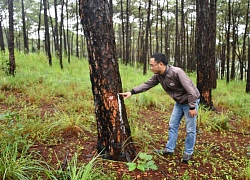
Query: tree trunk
x=68, y=37
x=77, y=28
x=25, y=39
x=122, y=34
x=114, y=136
x=167, y=43
x=228, y=40
x=204, y=51
x=56, y=37
x=61, y=35
x=248, y=69
x=183, y=38
x=212, y=42
x=234, y=43
x=177, y=60
x=47, y=38
x=127, y=33
x=12, y=63
x=156, y=27
x=246, y=33
x=1, y=37
x=39, y=27
x=145, y=47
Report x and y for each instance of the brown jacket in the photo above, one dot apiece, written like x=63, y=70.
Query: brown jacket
x=176, y=83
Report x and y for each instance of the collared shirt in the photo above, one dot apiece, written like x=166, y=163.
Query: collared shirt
x=176, y=83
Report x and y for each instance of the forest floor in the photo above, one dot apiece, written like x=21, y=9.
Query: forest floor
x=218, y=155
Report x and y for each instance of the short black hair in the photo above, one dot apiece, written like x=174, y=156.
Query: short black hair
x=159, y=57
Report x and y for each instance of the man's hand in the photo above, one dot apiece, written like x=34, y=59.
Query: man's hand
x=126, y=94
x=192, y=112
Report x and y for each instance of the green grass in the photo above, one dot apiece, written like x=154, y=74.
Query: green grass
x=67, y=97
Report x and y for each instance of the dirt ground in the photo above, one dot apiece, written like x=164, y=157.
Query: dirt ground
x=218, y=155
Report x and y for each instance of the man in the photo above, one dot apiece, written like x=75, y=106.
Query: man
x=180, y=87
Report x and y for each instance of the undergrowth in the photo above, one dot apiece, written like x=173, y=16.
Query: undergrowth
x=67, y=97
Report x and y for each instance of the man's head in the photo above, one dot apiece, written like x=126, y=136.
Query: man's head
x=159, y=57
x=158, y=63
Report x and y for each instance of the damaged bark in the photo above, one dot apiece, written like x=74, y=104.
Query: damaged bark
x=114, y=135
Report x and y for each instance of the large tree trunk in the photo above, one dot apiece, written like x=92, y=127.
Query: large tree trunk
x=114, y=136
x=12, y=63
x=204, y=50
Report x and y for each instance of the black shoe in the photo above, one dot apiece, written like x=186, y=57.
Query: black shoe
x=186, y=158
x=164, y=152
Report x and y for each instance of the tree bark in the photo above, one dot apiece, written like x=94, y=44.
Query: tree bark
x=56, y=37
x=1, y=37
x=228, y=40
x=145, y=47
x=47, y=39
x=61, y=35
x=12, y=63
x=114, y=136
x=39, y=27
x=77, y=28
x=204, y=51
x=177, y=60
x=127, y=33
x=248, y=69
x=25, y=39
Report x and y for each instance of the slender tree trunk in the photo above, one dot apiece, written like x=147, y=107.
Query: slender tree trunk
x=167, y=43
x=56, y=36
x=145, y=48
x=114, y=136
x=39, y=27
x=61, y=35
x=228, y=40
x=12, y=63
x=140, y=36
x=25, y=39
x=177, y=61
x=246, y=32
x=161, y=15
x=127, y=32
x=47, y=38
x=1, y=37
x=77, y=29
x=248, y=69
x=156, y=27
x=123, y=32
x=183, y=38
x=68, y=36
x=234, y=37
